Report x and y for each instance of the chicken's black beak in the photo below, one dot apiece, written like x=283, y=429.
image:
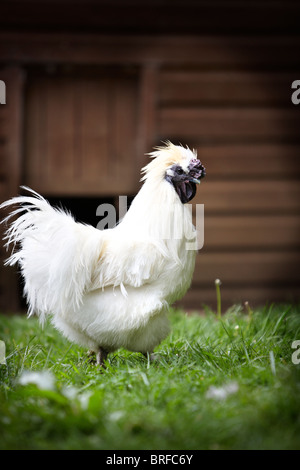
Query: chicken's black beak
x=184, y=182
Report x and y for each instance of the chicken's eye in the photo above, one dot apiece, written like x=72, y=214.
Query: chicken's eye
x=179, y=171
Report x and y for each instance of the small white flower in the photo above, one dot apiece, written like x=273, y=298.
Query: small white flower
x=116, y=415
x=221, y=393
x=72, y=393
x=44, y=379
x=84, y=399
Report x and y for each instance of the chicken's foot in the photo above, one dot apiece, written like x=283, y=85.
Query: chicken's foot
x=98, y=357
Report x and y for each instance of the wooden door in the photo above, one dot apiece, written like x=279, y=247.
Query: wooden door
x=80, y=132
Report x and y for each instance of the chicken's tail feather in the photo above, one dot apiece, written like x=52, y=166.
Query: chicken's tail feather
x=56, y=254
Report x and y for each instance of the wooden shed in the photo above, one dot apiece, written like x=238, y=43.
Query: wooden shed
x=91, y=86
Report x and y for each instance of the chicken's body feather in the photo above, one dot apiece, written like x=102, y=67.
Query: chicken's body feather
x=109, y=288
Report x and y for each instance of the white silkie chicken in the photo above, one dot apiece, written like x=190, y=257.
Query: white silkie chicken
x=107, y=289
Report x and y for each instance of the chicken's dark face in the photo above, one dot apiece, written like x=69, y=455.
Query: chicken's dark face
x=184, y=180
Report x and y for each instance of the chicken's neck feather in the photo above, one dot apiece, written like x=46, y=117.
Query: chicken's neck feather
x=157, y=212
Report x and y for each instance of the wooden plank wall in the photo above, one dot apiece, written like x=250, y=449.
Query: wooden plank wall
x=10, y=171
x=246, y=131
x=230, y=98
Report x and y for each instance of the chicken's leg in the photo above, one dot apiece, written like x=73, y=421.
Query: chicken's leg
x=151, y=356
x=101, y=356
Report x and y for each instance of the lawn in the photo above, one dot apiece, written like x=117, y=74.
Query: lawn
x=229, y=383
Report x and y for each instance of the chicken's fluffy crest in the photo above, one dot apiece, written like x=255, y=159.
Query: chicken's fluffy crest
x=164, y=157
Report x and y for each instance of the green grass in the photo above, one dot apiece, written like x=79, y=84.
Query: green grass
x=167, y=404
